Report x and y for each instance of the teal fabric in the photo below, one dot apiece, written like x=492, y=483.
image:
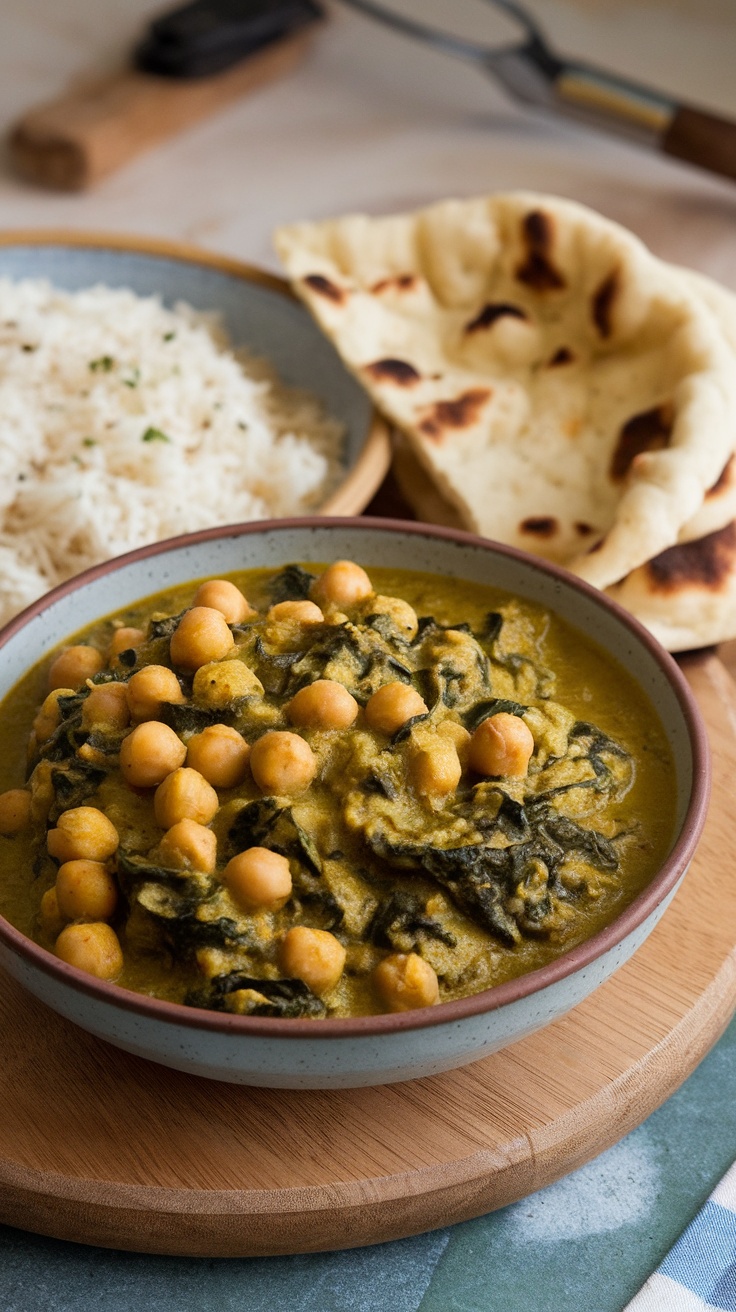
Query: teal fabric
x=586, y=1244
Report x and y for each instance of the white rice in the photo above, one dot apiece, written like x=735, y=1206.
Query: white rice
x=122, y=422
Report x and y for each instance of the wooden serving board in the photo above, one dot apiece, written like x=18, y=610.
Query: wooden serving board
x=103, y=1148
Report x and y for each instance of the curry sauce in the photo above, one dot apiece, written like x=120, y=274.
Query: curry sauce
x=397, y=842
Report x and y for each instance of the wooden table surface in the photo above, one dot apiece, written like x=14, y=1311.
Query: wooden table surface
x=372, y=122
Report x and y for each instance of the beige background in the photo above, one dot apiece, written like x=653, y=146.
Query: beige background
x=372, y=121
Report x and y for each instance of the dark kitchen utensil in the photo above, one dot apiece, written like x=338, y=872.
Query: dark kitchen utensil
x=535, y=74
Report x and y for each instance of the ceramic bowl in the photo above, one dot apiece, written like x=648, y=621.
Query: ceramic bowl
x=368, y=1049
x=258, y=311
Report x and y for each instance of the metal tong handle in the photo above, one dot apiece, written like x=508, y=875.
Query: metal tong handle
x=535, y=74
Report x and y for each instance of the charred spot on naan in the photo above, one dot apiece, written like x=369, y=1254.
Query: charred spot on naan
x=540, y=526
x=400, y=282
x=708, y=562
x=648, y=431
x=462, y=412
x=323, y=287
x=537, y=270
x=724, y=480
x=602, y=303
x=563, y=355
x=491, y=312
x=393, y=371
x=584, y=529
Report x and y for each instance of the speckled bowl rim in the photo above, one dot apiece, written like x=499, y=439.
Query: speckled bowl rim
x=446, y=1012
x=365, y=476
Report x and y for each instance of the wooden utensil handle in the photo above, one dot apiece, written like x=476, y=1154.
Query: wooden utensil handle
x=71, y=143
x=703, y=139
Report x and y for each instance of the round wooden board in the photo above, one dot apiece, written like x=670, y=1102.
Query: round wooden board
x=103, y=1148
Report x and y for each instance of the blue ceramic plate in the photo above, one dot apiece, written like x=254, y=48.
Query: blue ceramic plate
x=257, y=309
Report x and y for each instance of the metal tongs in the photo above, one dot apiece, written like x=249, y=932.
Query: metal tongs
x=533, y=73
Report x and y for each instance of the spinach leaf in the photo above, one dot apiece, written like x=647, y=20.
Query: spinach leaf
x=133, y=869
x=406, y=728
x=403, y=916
x=164, y=627
x=571, y=837
x=427, y=624
x=494, y=706
x=383, y=623
x=325, y=911
x=184, y=718
x=381, y=784
x=512, y=819
x=474, y=876
x=68, y=734
x=269, y=997
x=291, y=584
x=483, y=881
x=282, y=660
x=182, y=918
x=73, y=783
x=264, y=823
x=491, y=628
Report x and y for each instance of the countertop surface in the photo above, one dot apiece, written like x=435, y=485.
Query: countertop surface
x=372, y=122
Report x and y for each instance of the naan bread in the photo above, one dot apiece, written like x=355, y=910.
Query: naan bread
x=686, y=596
x=428, y=503
x=567, y=393
x=719, y=506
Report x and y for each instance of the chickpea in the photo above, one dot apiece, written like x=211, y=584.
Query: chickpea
x=94, y=948
x=258, y=879
x=83, y=833
x=106, y=707
x=73, y=667
x=43, y=792
x=48, y=717
x=343, y=584
x=222, y=595
x=281, y=762
x=220, y=754
x=188, y=845
x=123, y=639
x=296, y=612
x=405, y=980
x=15, y=811
x=459, y=736
x=202, y=635
x=52, y=921
x=184, y=795
x=324, y=704
x=218, y=683
x=150, y=752
x=501, y=745
x=435, y=766
x=313, y=955
x=148, y=689
x=85, y=890
x=391, y=706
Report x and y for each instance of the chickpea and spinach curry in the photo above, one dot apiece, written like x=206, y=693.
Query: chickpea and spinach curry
x=310, y=792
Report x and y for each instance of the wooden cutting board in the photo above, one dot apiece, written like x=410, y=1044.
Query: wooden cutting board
x=103, y=1148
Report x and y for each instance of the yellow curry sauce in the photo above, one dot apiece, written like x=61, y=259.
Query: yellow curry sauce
x=401, y=846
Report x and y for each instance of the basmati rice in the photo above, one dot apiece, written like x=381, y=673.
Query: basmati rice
x=123, y=422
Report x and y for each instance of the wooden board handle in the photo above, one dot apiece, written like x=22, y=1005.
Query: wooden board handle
x=703, y=139
x=70, y=143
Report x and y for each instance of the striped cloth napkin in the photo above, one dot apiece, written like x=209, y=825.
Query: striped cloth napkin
x=700, y=1271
